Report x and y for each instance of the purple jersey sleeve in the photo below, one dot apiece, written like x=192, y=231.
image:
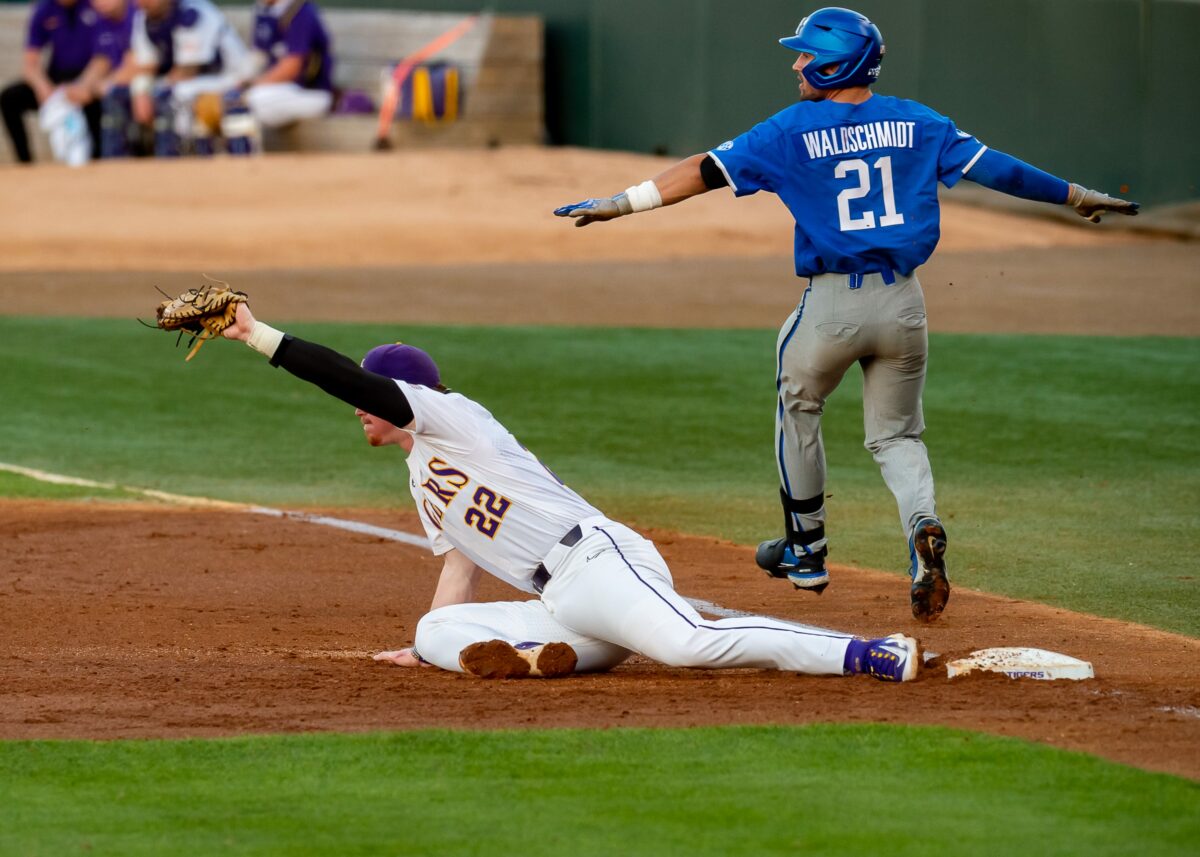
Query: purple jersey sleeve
x=301, y=34
x=755, y=160
x=39, y=35
x=959, y=150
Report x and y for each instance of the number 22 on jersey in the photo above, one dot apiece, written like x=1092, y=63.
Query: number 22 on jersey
x=861, y=172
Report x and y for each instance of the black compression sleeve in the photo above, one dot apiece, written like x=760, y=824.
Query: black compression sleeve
x=342, y=378
x=711, y=173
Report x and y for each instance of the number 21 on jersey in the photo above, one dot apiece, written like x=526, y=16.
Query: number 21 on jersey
x=859, y=170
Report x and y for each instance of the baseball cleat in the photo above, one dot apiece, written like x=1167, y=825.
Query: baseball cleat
x=893, y=658
x=777, y=558
x=498, y=659
x=930, y=585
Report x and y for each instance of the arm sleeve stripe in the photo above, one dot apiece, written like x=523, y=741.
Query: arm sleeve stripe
x=717, y=161
x=971, y=163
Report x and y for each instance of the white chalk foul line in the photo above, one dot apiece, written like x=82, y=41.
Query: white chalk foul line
x=337, y=523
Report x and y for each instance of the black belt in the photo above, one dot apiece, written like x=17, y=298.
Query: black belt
x=540, y=576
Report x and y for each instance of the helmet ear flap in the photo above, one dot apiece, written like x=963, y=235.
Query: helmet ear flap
x=838, y=37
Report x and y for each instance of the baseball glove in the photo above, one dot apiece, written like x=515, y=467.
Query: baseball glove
x=202, y=313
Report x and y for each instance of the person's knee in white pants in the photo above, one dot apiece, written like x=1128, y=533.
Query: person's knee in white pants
x=442, y=634
x=277, y=104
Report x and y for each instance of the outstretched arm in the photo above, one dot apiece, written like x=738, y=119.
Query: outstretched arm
x=690, y=177
x=336, y=374
x=1007, y=174
x=456, y=585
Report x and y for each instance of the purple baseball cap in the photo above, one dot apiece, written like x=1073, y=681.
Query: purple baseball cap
x=404, y=363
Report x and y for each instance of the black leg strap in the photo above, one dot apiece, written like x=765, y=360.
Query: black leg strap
x=810, y=506
x=807, y=538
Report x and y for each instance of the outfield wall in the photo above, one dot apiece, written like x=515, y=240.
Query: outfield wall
x=1102, y=91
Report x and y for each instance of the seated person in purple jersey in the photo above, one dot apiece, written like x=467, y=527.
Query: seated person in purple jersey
x=65, y=28
x=294, y=50
x=110, y=44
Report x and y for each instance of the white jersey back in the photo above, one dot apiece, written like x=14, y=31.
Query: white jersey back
x=478, y=490
x=199, y=35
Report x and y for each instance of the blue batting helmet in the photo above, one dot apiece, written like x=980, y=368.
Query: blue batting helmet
x=842, y=38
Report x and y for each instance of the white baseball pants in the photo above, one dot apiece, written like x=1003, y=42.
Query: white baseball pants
x=611, y=594
x=276, y=104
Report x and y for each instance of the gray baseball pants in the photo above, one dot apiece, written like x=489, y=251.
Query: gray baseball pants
x=843, y=319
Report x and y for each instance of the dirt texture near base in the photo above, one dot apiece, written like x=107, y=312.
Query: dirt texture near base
x=130, y=621
x=133, y=622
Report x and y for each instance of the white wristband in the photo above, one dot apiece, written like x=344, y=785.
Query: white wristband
x=141, y=85
x=644, y=196
x=264, y=339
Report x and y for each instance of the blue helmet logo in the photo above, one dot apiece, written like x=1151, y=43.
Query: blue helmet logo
x=847, y=48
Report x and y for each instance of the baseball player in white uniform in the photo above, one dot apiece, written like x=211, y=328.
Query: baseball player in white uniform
x=488, y=505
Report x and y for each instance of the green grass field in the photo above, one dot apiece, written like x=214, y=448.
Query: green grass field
x=1067, y=471
x=811, y=790
x=1067, y=467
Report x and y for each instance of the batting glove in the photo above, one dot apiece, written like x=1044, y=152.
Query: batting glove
x=591, y=210
x=1091, y=203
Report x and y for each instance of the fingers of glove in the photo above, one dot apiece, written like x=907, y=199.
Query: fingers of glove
x=1092, y=203
x=591, y=209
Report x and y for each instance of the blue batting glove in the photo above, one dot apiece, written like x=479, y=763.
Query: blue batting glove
x=591, y=210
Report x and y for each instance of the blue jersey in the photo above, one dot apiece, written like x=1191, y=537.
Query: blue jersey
x=860, y=179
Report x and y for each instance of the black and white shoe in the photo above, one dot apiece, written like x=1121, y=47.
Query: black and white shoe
x=807, y=571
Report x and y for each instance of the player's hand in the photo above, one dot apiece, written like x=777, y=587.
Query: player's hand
x=591, y=210
x=78, y=94
x=401, y=658
x=143, y=108
x=242, y=326
x=1092, y=203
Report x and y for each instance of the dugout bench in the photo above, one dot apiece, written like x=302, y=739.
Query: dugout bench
x=499, y=61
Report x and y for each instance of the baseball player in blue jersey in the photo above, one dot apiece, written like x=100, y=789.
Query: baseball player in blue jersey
x=859, y=173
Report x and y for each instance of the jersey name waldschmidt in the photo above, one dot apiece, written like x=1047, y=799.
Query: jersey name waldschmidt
x=859, y=178
x=480, y=492
x=826, y=142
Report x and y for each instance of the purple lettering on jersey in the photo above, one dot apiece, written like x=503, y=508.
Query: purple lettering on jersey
x=432, y=512
x=455, y=477
x=445, y=495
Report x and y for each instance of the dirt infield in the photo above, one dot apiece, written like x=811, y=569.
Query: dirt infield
x=127, y=622
x=105, y=634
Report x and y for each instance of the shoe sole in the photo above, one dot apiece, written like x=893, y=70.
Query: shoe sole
x=810, y=583
x=498, y=659
x=930, y=595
